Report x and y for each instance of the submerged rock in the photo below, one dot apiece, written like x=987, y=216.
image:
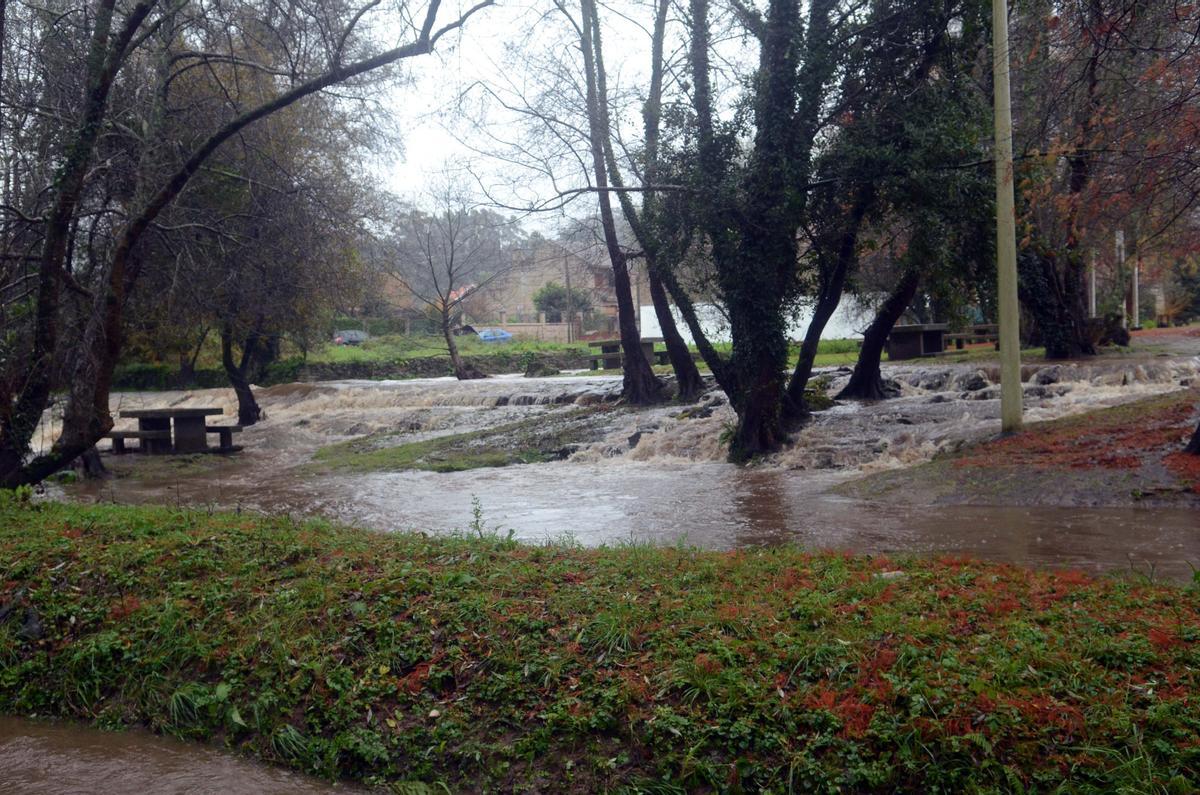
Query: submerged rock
x=1048, y=375
x=539, y=369
x=971, y=382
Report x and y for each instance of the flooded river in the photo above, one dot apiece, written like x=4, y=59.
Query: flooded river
x=38, y=758
x=654, y=476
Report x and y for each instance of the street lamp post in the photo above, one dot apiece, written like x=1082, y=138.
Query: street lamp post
x=1006, y=228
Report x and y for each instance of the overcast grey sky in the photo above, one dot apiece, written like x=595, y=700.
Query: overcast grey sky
x=488, y=51
x=424, y=107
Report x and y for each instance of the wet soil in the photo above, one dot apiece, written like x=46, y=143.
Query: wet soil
x=42, y=758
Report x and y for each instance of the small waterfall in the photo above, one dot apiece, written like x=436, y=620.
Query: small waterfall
x=939, y=408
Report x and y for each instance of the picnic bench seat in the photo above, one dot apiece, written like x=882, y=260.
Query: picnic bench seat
x=118, y=438
x=601, y=360
x=225, y=435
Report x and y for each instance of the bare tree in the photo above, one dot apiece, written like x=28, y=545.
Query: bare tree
x=447, y=254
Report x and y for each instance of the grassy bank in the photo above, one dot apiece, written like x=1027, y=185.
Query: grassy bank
x=487, y=665
x=392, y=348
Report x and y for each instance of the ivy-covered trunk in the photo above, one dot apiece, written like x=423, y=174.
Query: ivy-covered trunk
x=1057, y=310
x=866, y=382
x=759, y=366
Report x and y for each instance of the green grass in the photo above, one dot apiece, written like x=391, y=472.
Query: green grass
x=393, y=348
x=397, y=347
x=487, y=665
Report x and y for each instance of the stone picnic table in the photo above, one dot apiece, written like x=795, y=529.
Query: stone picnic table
x=909, y=342
x=175, y=430
x=610, y=352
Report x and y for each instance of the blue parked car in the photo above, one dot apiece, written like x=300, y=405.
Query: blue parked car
x=495, y=335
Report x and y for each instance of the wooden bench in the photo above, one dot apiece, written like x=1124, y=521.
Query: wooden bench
x=225, y=434
x=967, y=339
x=119, y=437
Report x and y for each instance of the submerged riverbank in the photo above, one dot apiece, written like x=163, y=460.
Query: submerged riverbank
x=1122, y=456
x=564, y=460
x=485, y=664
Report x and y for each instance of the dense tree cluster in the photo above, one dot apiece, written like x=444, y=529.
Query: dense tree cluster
x=116, y=116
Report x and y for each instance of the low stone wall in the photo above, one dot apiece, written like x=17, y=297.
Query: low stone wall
x=161, y=376
x=433, y=366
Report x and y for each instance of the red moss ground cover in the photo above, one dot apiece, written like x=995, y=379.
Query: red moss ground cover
x=1144, y=434
x=1167, y=331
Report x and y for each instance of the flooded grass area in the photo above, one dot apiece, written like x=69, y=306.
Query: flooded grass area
x=552, y=437
x=1120, y=456
x=563, y=462
x=574, y=596
x=57, y=758
x=477, y=663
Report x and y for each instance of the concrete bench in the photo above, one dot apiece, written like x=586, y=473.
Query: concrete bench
x=911, y=341
x=119, y=437
x=225, y=434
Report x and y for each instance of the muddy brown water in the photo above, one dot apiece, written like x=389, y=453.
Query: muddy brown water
x=656, y=478
x=40, y=758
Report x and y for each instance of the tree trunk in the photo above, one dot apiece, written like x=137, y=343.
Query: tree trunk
x=717, y=365
x=462, y=370
x=829, y=296
x=687, y=376
x=187, y=371
x=90, y=465
x=1193, y=446
x=759, y=406
x=866, y=382
x=248, y=410
x=641, y=386
x=794, y=407
x=22, y=412
x=187, y=362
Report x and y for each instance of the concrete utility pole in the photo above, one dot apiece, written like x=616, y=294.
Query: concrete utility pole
x=570, y=304
x=1137, y=309
x=1006, y=228
x=1092, y=286
x=1121, y=275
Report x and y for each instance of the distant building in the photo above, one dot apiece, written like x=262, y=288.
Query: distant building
x=510, y=298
